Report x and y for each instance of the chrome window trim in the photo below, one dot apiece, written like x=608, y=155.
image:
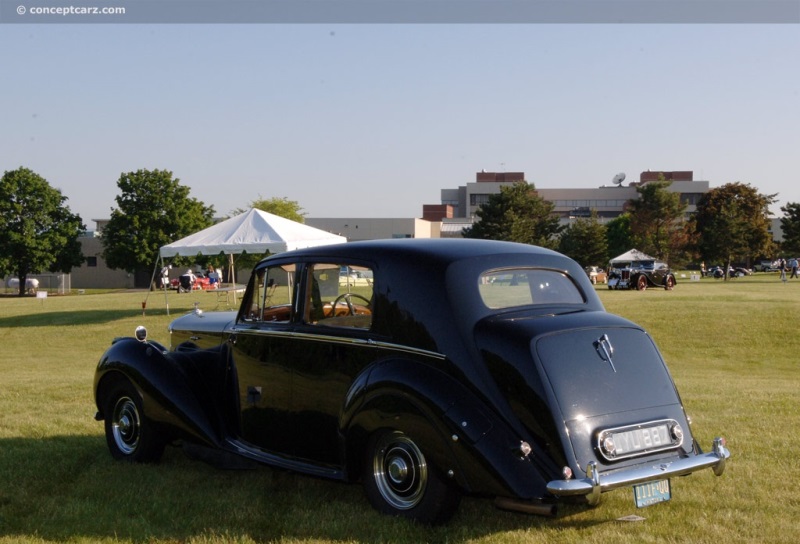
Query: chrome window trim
x=363, y=342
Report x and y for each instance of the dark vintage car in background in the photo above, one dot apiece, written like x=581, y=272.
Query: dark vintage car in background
x=640, y=275
x=718, y=272
x=461, y=367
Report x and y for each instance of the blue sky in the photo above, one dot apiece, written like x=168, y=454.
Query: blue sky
x=374, y=120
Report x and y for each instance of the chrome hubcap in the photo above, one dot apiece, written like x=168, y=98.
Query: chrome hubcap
x=126, y=425
x=400, y=471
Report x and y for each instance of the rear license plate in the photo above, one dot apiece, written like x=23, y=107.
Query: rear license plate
x=651, y=493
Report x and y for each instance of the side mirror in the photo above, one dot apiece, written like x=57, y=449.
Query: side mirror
x=141, y=333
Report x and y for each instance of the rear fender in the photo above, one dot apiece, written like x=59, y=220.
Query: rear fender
x=454, y=427
x=171, y=396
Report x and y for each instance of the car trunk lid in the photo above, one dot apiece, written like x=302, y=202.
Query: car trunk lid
x=606, y=378
x=600, y=371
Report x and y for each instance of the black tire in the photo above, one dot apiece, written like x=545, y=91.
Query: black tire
x=398, y=481
x=641, y=283
x=669, y=283
x=130, y=436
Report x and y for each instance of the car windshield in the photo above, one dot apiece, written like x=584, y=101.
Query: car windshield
x=512, y=287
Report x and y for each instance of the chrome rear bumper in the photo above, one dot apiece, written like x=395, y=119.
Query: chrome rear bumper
x=594, y=484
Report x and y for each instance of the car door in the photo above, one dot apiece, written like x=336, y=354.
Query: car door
x=263, y=351
x=334, y=329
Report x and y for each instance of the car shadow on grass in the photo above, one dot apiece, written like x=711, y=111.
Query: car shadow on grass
x=69, y=488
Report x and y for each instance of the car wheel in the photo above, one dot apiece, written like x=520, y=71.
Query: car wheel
x=129, y=435
x=669, y=283
x=641, y=283
x=399, y=481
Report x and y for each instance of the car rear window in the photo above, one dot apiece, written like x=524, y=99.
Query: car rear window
x=508, y=288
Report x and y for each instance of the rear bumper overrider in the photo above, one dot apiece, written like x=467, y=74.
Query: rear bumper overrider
x=595, y=484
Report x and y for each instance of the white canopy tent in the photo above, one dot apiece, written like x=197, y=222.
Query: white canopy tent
x=255, y=232
x=630, y=256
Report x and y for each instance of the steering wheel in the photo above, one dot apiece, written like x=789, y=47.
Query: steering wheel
x=347, y=297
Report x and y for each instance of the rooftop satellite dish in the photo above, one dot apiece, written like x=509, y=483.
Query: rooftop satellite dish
x=619, y=178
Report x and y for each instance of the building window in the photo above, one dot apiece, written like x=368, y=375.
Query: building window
x=691, y=199
x=91, y=261
x=478, y=199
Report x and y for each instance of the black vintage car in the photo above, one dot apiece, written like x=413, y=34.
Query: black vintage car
x=455, y=367
x=640, y=275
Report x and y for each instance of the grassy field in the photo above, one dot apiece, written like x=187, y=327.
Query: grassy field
x=732, y=348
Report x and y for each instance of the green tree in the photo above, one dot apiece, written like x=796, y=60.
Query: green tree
x=790, y=225
x=282, y=207
x=658, y=220
x=585, y=241
x=153, y=210
x=732, y=222
x=618, y=234
x=38, y=232
x=517, y=214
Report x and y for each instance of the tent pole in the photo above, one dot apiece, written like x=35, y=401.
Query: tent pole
x=164, y=286
x=152, y=279
x=232, y=277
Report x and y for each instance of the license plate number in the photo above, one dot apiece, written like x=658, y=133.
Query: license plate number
x=637, y=440
x=651, y=493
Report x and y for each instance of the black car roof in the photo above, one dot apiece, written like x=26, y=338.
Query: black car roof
x=433, y=281
x=422, y=249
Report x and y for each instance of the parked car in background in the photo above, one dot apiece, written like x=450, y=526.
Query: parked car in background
x=642, y=274
x=349, y=275
x=463, y=367
x=186, y=282
x=596, y=274
x=718, y=271
x=767, y=266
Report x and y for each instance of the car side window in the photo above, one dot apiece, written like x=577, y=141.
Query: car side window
x=271, y=299
x=339, y=295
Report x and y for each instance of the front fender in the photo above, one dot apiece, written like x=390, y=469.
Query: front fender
x=170, y=397
x=461, y=434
